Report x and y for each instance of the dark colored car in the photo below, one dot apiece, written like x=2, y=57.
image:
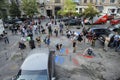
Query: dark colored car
x=64, y=19
x=100, y=31
x=73, y=22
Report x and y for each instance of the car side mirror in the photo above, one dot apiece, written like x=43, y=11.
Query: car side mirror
x=53, y=78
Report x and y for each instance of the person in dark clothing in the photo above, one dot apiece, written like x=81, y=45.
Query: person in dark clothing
x=15, y=29
x=5, y=37
x=30, y=34
x=79, y=38
x=58, y=46
x=118, y=48
x=48, y=41
x=84, y=31
x=61, y=28
x=110, y=44
x=55, y=22
x=12, y=30
x=50, y=30
x=22, y=46
x=74, y=46
x=32, y=44
x=56, y=32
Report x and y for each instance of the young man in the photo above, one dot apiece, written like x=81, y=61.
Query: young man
x=5, y=37
x=74, y=46
x=107, y=39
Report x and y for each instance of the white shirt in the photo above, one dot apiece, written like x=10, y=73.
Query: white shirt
x=35, y=27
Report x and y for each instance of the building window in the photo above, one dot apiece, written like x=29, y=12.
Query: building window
x=112, y=1
x=57, y=1
x=76, y=8
x=118, y=11
x=91, y=1
x=85, y=1
x=80, y=10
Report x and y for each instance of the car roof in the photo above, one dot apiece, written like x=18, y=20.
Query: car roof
x=98, y=28
x=94, y=28
x=36, y=61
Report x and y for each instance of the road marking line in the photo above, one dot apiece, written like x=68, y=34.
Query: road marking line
x=75, y=61
x=85, y=56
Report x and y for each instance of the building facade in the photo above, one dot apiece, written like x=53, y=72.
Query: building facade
x=103, y=6
x=50, y=7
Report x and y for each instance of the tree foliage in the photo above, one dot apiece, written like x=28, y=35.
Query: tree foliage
x=90, y=12
x=3, y=3
x=68, y=8
x=29, y=7
x=14, y=10
x=119, y=3
x=3, y=6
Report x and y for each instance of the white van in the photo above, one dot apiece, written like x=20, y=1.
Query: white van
x=1, y=27
x=37, y=66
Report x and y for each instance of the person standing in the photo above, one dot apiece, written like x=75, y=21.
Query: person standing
x=89, y=37
x=116, y=40
x=32, y=44
x=56, y=32
x=5, y=37
x=61, y=28
x=107, y=39
x=50, y=30
x=79, y=38
x=48, y=40
x=74, y=46
x=35, y=29
x=94, y=37
x=38, y=39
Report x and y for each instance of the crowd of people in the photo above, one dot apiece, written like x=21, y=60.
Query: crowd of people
x=33, y=28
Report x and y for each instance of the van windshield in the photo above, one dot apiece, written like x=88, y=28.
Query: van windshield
x=32, y=75
x=34, y=72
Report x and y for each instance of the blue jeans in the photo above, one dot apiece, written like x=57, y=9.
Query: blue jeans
x=118, y=48
x=115, y=43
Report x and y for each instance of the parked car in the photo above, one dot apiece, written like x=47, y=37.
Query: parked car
x=115, y=21
x=38, y=66
x=115, y=28
x=64, y=19
x=110, y=17
x=99, y=31
x=73, y=22
x=1, y=28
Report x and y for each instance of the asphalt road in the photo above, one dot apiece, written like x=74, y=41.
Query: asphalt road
x=70, y=66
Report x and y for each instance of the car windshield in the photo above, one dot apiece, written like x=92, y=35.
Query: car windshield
x=108, y=31
x=32, y=75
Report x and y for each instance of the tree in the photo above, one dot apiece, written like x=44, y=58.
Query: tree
x=3, y=6
x=119, y=3
x=90, y=12
x=14, y=10
x=29, y=7
x=68, y=8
